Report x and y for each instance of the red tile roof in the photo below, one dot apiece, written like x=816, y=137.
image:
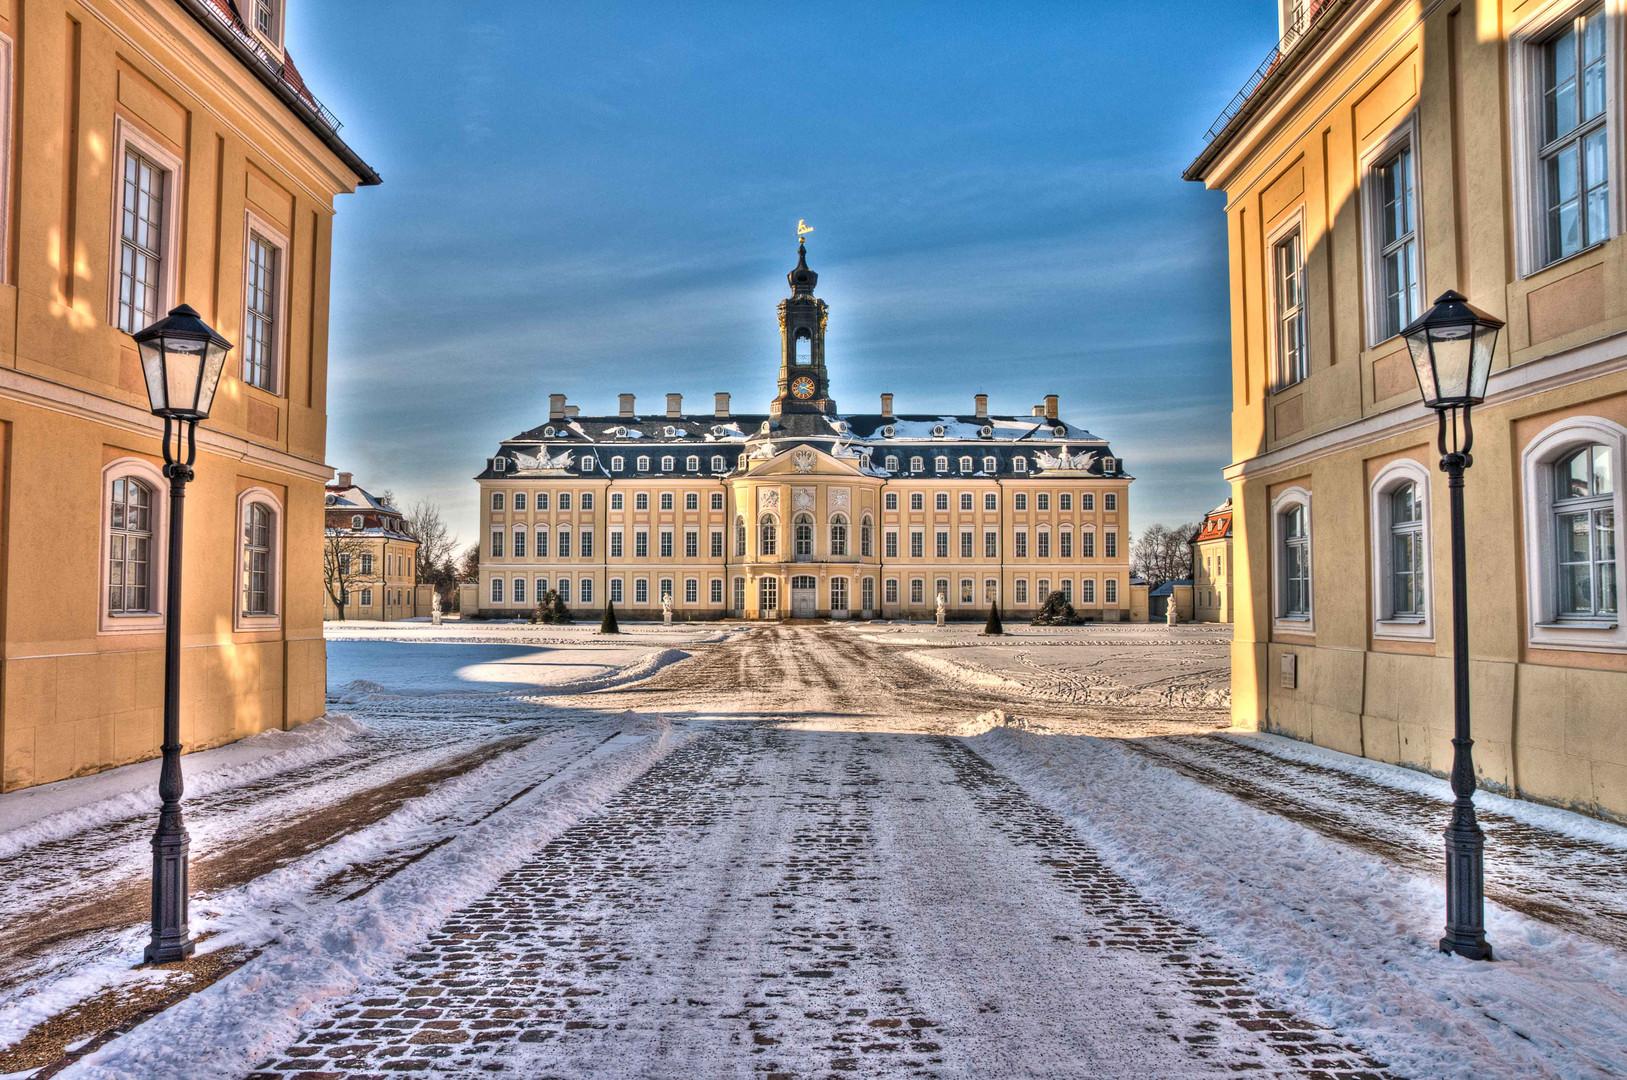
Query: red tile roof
x=1217, y=523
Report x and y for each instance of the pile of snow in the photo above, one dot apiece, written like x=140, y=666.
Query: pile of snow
x=1343, y=937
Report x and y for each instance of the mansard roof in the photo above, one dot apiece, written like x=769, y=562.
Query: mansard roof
x=564, y=446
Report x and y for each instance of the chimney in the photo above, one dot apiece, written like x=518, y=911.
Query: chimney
x=675, y=405
x=343, y=480
x=982, y=405
x=1050, y=406
x=887, y=405
x=627, y=405
x=1039, y=410
x=556, y=406
x=720, y=405
x=571, y=411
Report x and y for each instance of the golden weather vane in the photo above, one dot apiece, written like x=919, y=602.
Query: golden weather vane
x=803, y=229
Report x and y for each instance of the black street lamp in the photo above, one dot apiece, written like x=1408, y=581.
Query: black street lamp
x=1452, y=345
x=181, y=357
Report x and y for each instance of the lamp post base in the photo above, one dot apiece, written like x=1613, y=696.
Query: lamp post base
x=171, y=938
x=1465, y=883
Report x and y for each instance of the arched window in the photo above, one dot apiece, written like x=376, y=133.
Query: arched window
x=355, y=521
x=802, y=527
x=1573, y=503
x=643, y=464
x=131, y=549
x=618, y=463
x=740, y=537
x=692, y=463
x=1399, y=500
x=719, y=463
x=259, y=572
x=1291, y=559
x=917, y=464
x=768, y=536
x=867, y=538
x=804, y=348
x=991, y=464
x=892, y=463
x=838, y=535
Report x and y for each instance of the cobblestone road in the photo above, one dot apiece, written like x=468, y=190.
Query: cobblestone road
x=783, y=902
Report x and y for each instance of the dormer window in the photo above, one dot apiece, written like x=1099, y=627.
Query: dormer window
x=355, y=521
x=267, y=21
x=499, y=464
x=1110, y=466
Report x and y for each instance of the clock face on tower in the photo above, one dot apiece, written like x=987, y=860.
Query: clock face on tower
x=803, y=388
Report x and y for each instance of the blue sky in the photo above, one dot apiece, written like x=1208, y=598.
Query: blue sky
x=598, y=198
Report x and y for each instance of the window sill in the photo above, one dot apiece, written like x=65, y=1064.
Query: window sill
x=1399, y=623
x=1539, y=271
x=1579, y=624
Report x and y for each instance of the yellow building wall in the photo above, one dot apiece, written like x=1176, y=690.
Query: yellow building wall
x=74, y=698
x=1548, y=725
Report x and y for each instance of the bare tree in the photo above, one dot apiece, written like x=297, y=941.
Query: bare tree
x=1161, y=554
x=469, y=565
x=435, y=544
x=342, y=567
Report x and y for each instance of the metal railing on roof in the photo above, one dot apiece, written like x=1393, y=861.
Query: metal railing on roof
x=1309, y=12
x=274, y=64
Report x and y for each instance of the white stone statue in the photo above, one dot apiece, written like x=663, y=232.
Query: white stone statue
x=666, y=609
x=1172, y=613
x=435, y=606
x=941, y=604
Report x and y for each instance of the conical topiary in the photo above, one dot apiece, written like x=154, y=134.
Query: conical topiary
x=608, y=624
x=993, y=626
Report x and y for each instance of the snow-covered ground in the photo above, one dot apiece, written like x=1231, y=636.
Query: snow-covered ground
x=728, y=850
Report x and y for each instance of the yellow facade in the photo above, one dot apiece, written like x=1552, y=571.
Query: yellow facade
x=1327, y=435
x=1211, y=567
x=243, y=159
x=727, y=579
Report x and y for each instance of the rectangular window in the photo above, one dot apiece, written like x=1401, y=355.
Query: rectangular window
x=991, y=501
x=1042, y=501
x=966, y=500
x=260, y=321
x=1065, y=544
x=891, y=500
x=1044, y=590
x=1573, y=148
x=1019, y=501
x=692, y=544
x=966, y=590
x=519, y=590
x=1110, y=544
x=1087, y=591
x=940, y=501
x=586, y=595
x=519, y=543
x=542, y=541
x=519, y=500
x=497, y=590
x=1087, y=501
x=641, y=591
x=917, y=591
x=542, y=501
x=564, y=500
x=1067, y=590
x=1394, y=239
x=740, y=594
x=587, y=500
x=1021, y=586
x=1020, y=545
x=666, y=500
x=1065, y=502
x=717, y=504
x=142, y=210
x=1110, y=502
x=1087, y=544
x=666, y=587
x=615, y=500
x=966, y=543
x=615, y=543
x=692, y=591
x=585, y=544
x=1288, y=285
x=1110, y=591
x=717, y=546
x=916, y=501
x=941, y=546
x=565, y=589
x=917, y=544
x=692, y=500
x=890, y=591
x=717, y=590
x=497, y=543
x=641, y=544
x=890, y=546
x=615, y=590
x=666, y=543
x=1042, y=544
x=564, y=545
x=497, y=500
x=991, y=544
x=641, y=501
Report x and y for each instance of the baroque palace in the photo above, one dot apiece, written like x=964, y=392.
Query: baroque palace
x=1387, y=151
x=804, y=511
x=155, y=153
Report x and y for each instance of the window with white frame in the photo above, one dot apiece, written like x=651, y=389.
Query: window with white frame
x=966, y=464
x=940, y=463
x=838, y=535
x=719, y=464
x=917, y=591
x=262, y=317
x=1291, y=559
x=991, y=544
x=1561, y=74
x=867, y=594
x=542, y=542
x=916, y=500
x=917, y=544
x=940, y=501
x=966, y=500
x=618, y=463
x=585, y=593
x=584, y=543
x=838, y=594
x=1391, y=208
x=643, y=464
x=768, y=536
x=740, y=594
x=562, y=545
x=641, y=590
x=717, y=500
x=692, y=463
x=740, y=537
x=1021, y=595
x=917, y=465
x=1019, y=464
x=668, y=463
x=497, y=590
x=587, y=500
x=692, y=591
x=132, y=496
x=716, y=591
x=615, y=590
x=867, y=537
x=497, y=543
x=1019, y=501
x=1110, y=591
x=259, y=571
x=564, y=500
x=890, y=544
x=1087, y=591
x=519, y=501
x=496, y=501
x=355, y=521
x=1288, y=308
x=991, y=501
x=666, y=500
x=692, y=543
x=1401, y=551
x=967, y=543
x=519, y=590
x=1110, y=502
x=519, y=542
x=966, y=590
x=1087, y=501
x=891, y=463
x=890, y=590
x=147, y=220
x=367, y=598
x=641, y=500
x=641, y=543
x=1573, y=500
x=716, y=542
x=991, y=464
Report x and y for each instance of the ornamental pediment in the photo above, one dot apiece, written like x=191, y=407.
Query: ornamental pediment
x=805, y=460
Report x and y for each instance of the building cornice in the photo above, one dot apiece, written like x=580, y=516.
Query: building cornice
x=1605, y=356
x=83, y=405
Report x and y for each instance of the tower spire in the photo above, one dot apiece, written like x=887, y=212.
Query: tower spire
x=803, y=384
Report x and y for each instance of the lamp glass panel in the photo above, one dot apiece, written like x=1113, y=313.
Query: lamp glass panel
x=214, y=363
x=152, y=368
x=1452, y=351
x=183, y=364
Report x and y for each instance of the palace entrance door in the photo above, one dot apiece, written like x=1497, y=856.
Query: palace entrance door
x=804, y=596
